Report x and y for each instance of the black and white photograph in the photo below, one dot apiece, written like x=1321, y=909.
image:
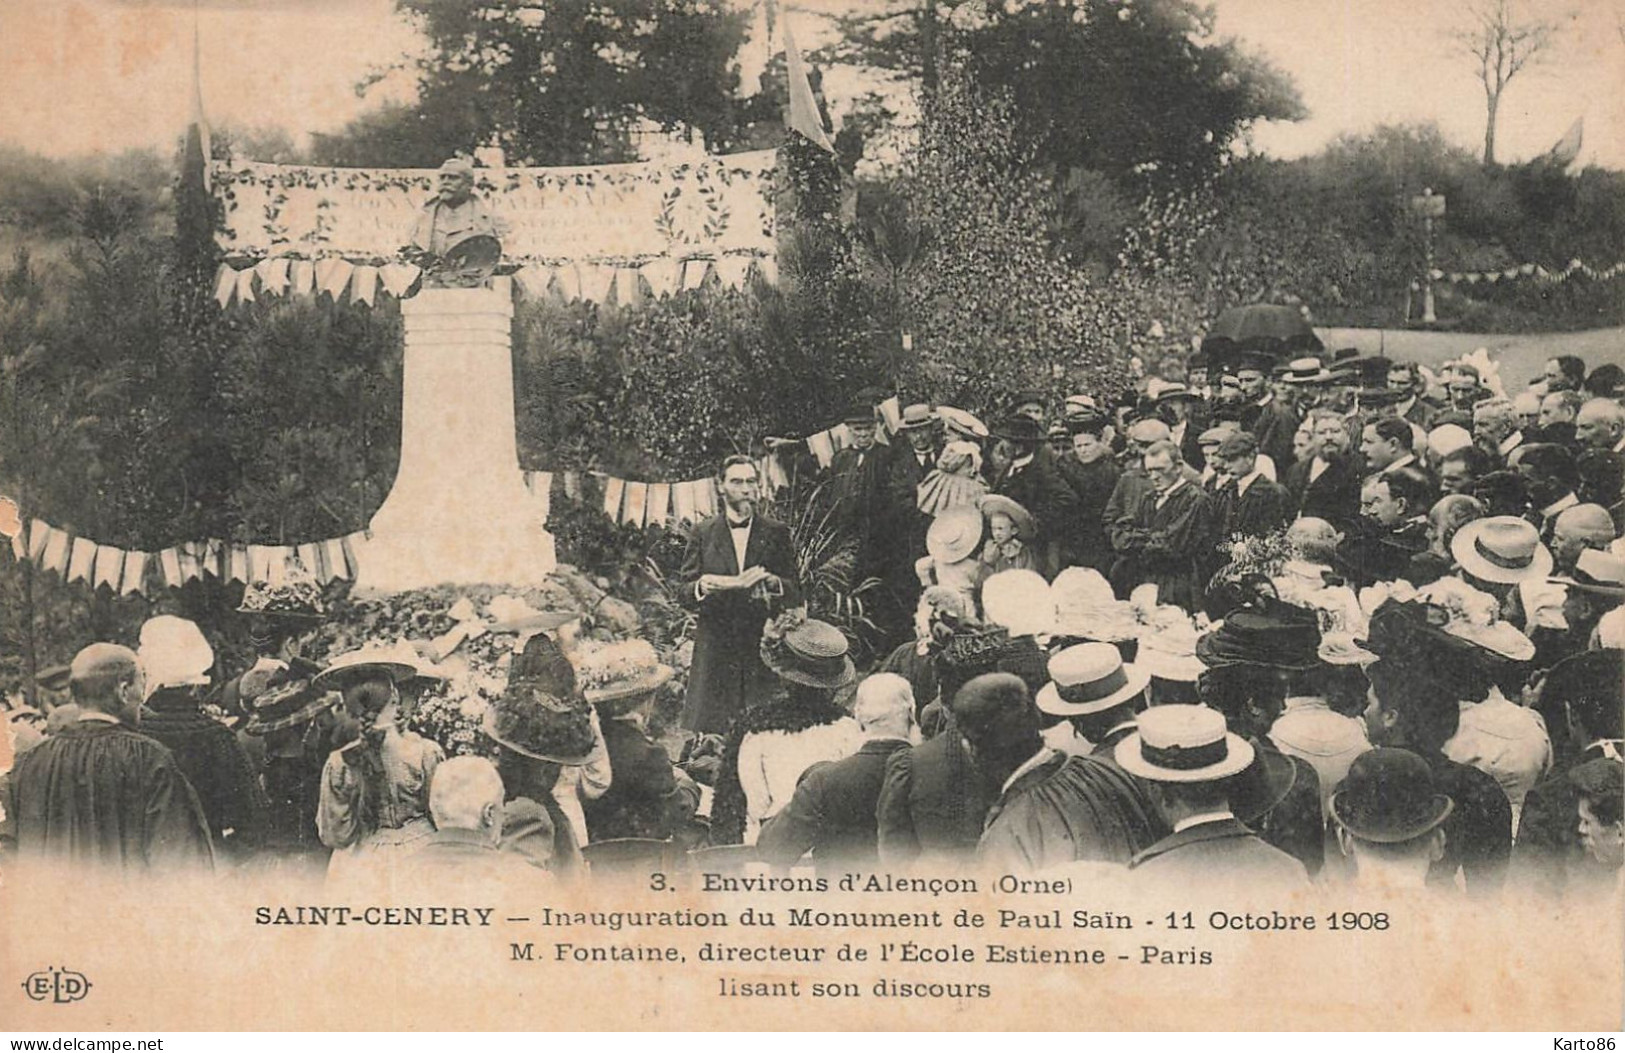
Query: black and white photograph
x=834, y=515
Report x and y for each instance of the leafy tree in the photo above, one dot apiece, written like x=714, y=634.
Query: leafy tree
x=555, y=83
x=1109, y=86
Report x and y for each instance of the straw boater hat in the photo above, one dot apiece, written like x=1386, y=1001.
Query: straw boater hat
x=1389, y=797
x=621, y=674
x=813, y=653
x=1601, y=573
x=1023, y=519
x=916, y=415
x=1501, y=549
x=1089, y=678
x=541, y=714
x=1183, y=744
x=954, y=535
x=1305, y=371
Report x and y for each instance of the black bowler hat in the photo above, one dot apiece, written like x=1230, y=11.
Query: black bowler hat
x=1389, y=796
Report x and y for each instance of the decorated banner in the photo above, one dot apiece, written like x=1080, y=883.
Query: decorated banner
x=627, y=230
x=625, y=501
x=1525, y=271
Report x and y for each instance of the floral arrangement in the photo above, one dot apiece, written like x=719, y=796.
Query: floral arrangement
x=454, y=722
x=601, y=664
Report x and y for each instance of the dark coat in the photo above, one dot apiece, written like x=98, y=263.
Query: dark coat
x=216, y=765
x=1376, y=554
x=644, y=798
x=860, y=481
x=1273, y=424
x=905, y=523
x=1266, y=506
x=1478, y=834
x=1168, y=546
x=832, y=814
x=1084, y=542
x=1041, y=489
x=727, y=670
x=1064, y=810
x=1223, y=852
x=931, y=804
x=98, y=793
x=1548, y=853
x=1334, y=496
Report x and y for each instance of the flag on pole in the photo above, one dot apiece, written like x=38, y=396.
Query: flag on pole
x=1566, y=149
x=804, y=115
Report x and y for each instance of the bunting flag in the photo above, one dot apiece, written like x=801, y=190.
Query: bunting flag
x=614, y=489
x=273, y=275
x=245, y=286
x=659, y=504
x=336, y=277
x=169, y=562
x=334, y=563
x=58, y=550
x=637, y=504
x=683, y=504
x=301, y=278
x=134, y=577
x=1574, y=267
x=804, y=116
x=705, y=498
x=39, y=534
x=694, y=273
x=81, y=560
x=236, y=569
x=109, y=567
x=398, y=277
x=364, y=284
x=1566, y=149
x=225, y=285
x=662, y=276
x=822, y=446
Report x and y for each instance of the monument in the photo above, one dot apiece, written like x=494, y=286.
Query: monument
x=459, y=511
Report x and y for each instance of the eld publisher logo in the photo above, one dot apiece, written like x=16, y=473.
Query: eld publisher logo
x=56, y=985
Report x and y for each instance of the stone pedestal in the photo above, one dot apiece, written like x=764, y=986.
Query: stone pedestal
x=459, y=511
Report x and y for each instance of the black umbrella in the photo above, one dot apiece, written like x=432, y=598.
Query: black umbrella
x=1268, y=328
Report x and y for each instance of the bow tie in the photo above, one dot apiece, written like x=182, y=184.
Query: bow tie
x=745, y=525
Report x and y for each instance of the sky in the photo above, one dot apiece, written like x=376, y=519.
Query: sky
x=82, y=76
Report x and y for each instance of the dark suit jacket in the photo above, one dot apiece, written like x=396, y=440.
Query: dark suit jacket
x=727, y=670
x=1548, y=853
x=1223, y=852
x=906, y=524
x=932, y=803
x=1371, y=555
x=832, y=814
x=860, y=480
x=1334, y=496
x=644, y=798
x=1041, y=489
x=1273, y=424
x=1084, y=542
x=1266, y=506
x=1169, y=546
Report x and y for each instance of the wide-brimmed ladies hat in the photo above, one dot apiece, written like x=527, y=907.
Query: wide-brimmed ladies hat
x=365, y=663
x=959, y=422
x=1389, y=796
x=297, y=596
x=1023, y=519
x=1180, y=743
x=1276, y=635
x=1020, y=601
x=1502, y=549
x=954, y=535
x=620, y=671
x=813, y=653
x=1018, y=428
x=1086, y=607
x=286, y=700
x=1169, y=653
x=1089, y=678
x=541, y=714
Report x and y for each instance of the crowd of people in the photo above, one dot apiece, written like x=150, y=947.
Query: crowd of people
x=1256, y=623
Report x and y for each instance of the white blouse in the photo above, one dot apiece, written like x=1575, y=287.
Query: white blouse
x=771, y=763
